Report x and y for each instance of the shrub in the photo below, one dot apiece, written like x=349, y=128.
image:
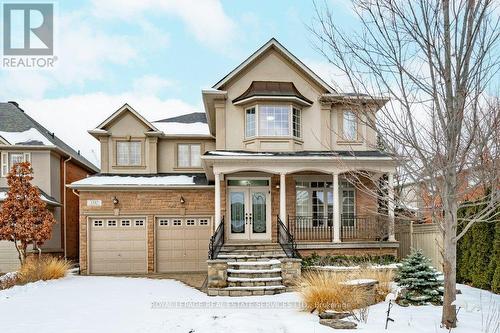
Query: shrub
x=419, y=280
x=45, y=268
x=322, y=290
x=341, y=260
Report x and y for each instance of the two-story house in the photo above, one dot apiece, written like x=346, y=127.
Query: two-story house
x=266, y=163
x=54, y=164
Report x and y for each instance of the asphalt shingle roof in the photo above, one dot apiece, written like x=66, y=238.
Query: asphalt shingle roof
x=195, y=117
x=14, y=119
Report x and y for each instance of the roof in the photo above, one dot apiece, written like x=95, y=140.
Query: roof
x=195, y=117
x=273, y=43
x=17, y=128
x=44, y=196
x=271, y=89
x=303, y=153
x=143, y=180
x=125, y=108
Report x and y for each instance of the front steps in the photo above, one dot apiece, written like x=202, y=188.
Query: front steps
x=249, y=269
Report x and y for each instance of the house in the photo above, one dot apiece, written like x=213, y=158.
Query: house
x=55, y=164
x=266, y=164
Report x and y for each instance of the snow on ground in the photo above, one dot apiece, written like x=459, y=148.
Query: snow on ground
x=118, y=304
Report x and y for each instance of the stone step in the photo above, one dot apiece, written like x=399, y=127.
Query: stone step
x=254, y=265
x=247, y=291
x=253, y=282
x=252, y=273
x=251, y=246
x=246, y=257
x=252, y=253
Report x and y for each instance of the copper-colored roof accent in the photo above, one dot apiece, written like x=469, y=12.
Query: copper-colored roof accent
x=272, y=89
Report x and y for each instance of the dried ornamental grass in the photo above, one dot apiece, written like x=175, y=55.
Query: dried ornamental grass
x=321, y=290
x=46, y=268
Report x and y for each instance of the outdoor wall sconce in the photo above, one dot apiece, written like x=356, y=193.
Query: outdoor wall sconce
x=115, y=201
x=182, y=200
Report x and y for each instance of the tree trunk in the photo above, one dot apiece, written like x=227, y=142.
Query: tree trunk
x=449, y=317
x=21, y=251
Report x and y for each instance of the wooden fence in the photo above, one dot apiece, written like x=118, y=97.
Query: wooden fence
x=426, y=237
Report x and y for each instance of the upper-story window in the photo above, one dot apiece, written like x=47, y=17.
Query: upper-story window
x=273, y=120
x=189, y=155
x=128, y=153
x=350, y=126
x=9, y=159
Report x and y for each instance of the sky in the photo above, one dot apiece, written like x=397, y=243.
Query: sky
x=156, y=55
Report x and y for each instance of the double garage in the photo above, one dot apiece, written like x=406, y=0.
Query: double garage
x=120, y=245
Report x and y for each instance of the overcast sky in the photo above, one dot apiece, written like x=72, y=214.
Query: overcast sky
x=156, y=55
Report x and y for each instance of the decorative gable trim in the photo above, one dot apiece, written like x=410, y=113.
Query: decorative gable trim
x=119, y=112
x=273, y=43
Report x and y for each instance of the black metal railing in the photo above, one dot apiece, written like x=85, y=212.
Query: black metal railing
x=216, y=241
x=367, y=227
x=286, y=240
x=352, y=227
x=317, y=228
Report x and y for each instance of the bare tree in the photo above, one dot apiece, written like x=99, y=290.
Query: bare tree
x=438, y=62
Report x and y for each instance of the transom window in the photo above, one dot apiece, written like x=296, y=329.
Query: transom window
x=128, y=153
x=350, y=126
x=188, y=155
x=273, y=120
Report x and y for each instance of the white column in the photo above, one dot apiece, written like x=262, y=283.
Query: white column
x=283, y=197
x=336, y=209
x=217, y=199
x=390, y=207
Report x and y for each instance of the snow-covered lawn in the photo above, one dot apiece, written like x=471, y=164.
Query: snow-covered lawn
x=119, y=304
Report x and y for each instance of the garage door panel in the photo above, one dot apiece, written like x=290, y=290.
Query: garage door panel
x=182, y=248
x=115, y=250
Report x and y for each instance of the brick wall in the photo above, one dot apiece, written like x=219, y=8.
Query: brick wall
x=144, y=203
x=366, y=197
x=74, y=172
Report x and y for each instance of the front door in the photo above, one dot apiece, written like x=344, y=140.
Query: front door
x=249, y=213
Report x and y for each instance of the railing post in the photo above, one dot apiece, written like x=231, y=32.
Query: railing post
x=390, y=208
x=217, y=200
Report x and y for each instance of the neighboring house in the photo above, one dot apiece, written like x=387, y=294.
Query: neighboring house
x=271, y=152
x=54, y=164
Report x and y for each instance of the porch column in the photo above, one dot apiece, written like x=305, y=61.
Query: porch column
x=390, y=207
x=336, y=209
x=283, y=197
x=217, y=199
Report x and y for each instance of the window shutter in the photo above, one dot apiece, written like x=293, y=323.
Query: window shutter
x=27, y=157
x=4, y=165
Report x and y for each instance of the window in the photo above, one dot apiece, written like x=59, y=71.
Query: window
x=189, y=155
x=314, y=203
x=190, y=222
x=10, y=159
x=350, y=126
x=348, y=205
x=125, y=223
x=296, y=122
x=250, y=123
x=177, y=222
x=203, y=222
x=98, y=223
x=111, y=223
x=139, y=223
x=274, y=120
x=128, y=153
x=163, y=222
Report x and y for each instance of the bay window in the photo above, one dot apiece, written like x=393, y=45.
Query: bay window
x=128, y=153
x=273, y=120
x=350, y=126
x=188, y=155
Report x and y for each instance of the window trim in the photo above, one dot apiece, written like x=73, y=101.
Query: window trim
x=128, y=139
x=343, y=138
x=5, y=165
x=190, y=167
x=291, y=107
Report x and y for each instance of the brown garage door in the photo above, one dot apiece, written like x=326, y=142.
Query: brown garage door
x=182, y=244
x=118, y=246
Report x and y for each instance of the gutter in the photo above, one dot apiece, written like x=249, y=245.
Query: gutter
x=64, y=206
x=309, y=158
x=111, y=187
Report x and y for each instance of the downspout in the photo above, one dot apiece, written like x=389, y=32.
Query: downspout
x=64, y=207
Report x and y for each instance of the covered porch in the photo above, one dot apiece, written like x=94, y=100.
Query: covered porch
x=321, y=204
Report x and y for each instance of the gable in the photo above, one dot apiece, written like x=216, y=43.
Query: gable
x=127, y=124
x=274, y=45
x=273, y=66
x=125, y=109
